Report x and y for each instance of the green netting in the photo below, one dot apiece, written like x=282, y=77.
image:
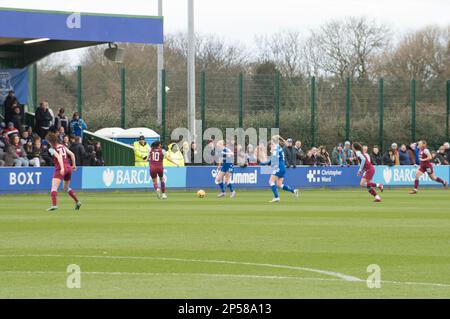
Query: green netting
x=261, y=96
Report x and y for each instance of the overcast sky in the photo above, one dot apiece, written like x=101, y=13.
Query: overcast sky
x=241, y=20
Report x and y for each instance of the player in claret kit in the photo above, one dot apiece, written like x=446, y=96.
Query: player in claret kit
x=425, y=167
x=369, y=171
x=63, y=170
x=156, y=157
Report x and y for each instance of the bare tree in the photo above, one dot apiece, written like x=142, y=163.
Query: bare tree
x=285, y=48
x=347, y=47
x=418, y=55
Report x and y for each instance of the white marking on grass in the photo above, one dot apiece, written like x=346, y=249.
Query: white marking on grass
x=115, y=273
x=270, y=277
x=340, y=276
x=318, y=271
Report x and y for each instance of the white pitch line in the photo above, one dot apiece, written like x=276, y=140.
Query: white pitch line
x=115, y=273
x=325, y=272
x=270, y=277
x=318, y=271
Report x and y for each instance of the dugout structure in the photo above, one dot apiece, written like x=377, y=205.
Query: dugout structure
x=28, y=35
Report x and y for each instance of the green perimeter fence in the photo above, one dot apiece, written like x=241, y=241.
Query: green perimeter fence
x=317, y=111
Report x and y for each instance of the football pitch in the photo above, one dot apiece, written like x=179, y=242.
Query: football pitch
x=131, y=245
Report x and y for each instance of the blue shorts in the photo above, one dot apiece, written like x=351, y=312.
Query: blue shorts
x=279, y=173
x=227, y=168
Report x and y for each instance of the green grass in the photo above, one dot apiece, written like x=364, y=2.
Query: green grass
x=167, y=246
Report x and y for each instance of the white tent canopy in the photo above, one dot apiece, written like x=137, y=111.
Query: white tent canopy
x=117, y=132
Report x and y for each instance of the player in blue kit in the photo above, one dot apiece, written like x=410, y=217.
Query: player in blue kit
x=224, y=169
x=277, y=163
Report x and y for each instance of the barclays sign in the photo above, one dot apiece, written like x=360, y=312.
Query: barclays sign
x=405, y=175
x=124, y=177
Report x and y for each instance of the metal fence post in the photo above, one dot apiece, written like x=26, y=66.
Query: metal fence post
x=347, y=109
x=164, y=105
x=203, y=99
x=35, y=98
x=122, y=100
x=241, y=99
x=277, y=99
x=381, y=110
x=79, y=91
x=447, y=122
x=413, y=109
x=313, y=111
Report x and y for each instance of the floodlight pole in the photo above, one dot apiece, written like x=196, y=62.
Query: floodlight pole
x=160, y=67
x=191, y=70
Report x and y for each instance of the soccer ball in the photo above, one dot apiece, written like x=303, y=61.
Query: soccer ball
x=201, y=193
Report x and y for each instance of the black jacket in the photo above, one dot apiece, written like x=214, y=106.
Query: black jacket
x=43, y=118
x=290, y=153
x=376, y=159
x=80, y=154
x=9, y=101
x=16, y=119
x=387, y=160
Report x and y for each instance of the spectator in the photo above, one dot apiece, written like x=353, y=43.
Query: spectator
x=44, y=119
x=16, y=155
x=173, y=155
x=11, y=130
x=78, y=150
x=185, y=150
x=99, y=154
x=389, y=158
x=299, y=153
x=193, y=152
x=394, y=148
x=45, y=154
x=9, y=103
x=403, y=155
x=251, y=157
x=447, y=151
x=3, y=146
x=290, y=153
x=66, y=141
x=338, y=156
x=77, y=125
x=61, y=134
x=375, y=157
x=34, y=153
x=240, y=156
x=412, y=153
x=90, y=158
x=4, y=140
x=439, y=156
x=261, y=153
x=311, y=157
x=209, y=152
x=17, y=119
x=348, y=154
x=25, y=138
x=61, y=121
x=323, y=157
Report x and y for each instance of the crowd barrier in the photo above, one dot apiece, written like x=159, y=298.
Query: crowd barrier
x=196, y=177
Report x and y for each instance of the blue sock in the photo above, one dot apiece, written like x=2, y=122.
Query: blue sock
x=287, y=188
x=230, y=186
x=222, y=187
x=274, y=190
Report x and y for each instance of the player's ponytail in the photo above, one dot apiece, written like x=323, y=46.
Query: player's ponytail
x=357, y=146
x=52, y=138
x=277, y=139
